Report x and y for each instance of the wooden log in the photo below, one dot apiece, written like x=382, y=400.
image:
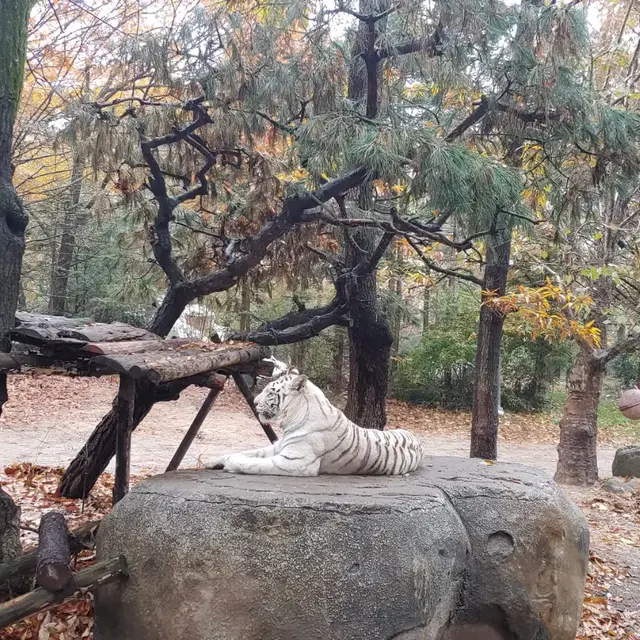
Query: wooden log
x=248, y=396
x=24, y=318
x=40, y=599
x=42, y=328
x=173, y=365
x=135, y=346
x=192, y=432
x=15, y=361
x=53, y=568
x=111, y=332
x=79, y=539
x=125, y=408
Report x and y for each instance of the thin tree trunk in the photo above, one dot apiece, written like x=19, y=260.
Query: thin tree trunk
x=577, y=451
x=338, y=361
x=486, y=397
x=13, y=220
x=426, y=310
x=245, y=306
x=71, y=223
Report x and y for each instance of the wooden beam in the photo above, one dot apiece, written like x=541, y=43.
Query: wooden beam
x=195, y=425
x=248, y=396
x=40, y=599
x=53, y=570
x=124, y=405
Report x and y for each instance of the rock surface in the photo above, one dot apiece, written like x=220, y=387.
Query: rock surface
x=627, y=462
x=620, y=485
x=457, y=550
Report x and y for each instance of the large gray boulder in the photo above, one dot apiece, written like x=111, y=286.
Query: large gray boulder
x=460, y=549
x=626, y=462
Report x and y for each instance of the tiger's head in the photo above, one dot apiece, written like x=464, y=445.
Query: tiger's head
x=274, y=399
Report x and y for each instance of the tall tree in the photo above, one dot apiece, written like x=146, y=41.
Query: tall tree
x=13, y=218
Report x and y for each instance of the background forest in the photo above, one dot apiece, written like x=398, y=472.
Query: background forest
x=436, y=200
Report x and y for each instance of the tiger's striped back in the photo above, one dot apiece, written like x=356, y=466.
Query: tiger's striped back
x=371, y=452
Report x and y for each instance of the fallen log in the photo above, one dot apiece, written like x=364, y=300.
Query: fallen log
x=80, y=539
x=53, y=567
x=40, y=599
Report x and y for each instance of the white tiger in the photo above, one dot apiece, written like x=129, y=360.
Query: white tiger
x=318, y=438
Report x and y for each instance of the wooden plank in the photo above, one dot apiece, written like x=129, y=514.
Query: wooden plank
x=248, y=396
x=124, y=406
x=135, y=346
x=40, y=599
x=192, y=432
x=171, y=365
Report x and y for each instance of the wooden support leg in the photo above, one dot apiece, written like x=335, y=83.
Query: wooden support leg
x=125, y=407
x=196, y=424
x=248, y=396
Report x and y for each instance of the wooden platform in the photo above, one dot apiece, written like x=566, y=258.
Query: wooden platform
x=80, y=347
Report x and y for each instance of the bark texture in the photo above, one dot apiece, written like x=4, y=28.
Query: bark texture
x=13, y=221
x=486, y=397
x=577, y=451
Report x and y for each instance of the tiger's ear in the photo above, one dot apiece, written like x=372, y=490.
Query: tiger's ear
x=298, y=383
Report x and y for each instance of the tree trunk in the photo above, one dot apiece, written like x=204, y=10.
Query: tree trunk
x=245, y=306
x=13, y=220
x=338, y=361
x=71, y=223
x=370, y=341
x=486, y=396
x=10, y=543
x=370, y=337
x=426, y=309
x=577, y=451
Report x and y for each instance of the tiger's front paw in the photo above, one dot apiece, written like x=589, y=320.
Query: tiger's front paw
x=233, y=464
x=216, y=463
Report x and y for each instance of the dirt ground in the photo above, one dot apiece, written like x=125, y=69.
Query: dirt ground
x=48, y=419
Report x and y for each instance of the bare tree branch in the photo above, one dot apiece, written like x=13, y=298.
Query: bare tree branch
x=449, y=272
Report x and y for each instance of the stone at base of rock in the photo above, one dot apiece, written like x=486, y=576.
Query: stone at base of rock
x=458, y=548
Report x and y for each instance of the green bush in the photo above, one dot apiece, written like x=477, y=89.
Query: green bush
x=626, y=370
x=440, y=369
